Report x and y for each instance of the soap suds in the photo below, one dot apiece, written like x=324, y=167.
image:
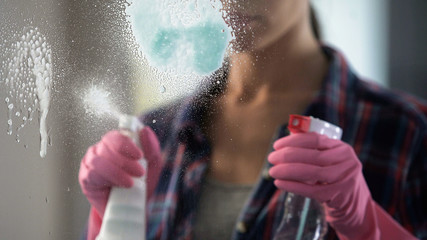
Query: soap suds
x=27, y=74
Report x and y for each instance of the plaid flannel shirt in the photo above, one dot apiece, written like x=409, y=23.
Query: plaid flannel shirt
x=387, y=130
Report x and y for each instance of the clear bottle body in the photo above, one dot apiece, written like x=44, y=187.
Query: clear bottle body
x=299, y=222
x=304, y=218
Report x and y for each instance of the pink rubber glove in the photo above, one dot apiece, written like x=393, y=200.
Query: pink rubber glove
x=113, y=162
x=329, y=171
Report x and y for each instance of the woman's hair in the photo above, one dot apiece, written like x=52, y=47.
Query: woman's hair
x=315, y=23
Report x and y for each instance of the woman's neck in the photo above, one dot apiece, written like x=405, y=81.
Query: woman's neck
x=293, y=64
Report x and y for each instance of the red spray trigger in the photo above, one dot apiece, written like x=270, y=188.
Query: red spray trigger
x=299, y=124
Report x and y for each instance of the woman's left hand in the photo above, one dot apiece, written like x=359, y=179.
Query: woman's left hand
x=328, y=171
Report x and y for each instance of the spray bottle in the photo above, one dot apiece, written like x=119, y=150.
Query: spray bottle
x=303, y=218
x=124, y=217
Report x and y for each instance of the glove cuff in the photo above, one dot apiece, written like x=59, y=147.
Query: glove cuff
x=358, y=221
x=94, y=225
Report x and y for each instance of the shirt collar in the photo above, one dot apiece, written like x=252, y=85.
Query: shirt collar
x=189, y=121
x=337, y=91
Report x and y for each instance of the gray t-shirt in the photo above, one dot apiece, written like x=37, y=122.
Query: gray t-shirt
x=219, y=206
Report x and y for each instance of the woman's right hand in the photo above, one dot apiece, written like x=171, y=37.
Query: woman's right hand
x=113, y=162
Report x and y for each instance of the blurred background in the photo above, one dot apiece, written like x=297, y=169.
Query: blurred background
x=90, y=42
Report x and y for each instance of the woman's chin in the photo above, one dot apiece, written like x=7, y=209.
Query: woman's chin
x=247, y=46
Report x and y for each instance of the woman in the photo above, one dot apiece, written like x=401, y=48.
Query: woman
x=215, y=144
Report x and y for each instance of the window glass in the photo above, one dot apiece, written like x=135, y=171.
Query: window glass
x=68, y=67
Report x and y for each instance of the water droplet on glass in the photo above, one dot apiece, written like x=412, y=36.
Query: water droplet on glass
x=18, y=114
x=154, y=121
x=25, y=146
x=162, y=89
x=10, y=106
x=68, y=189
x=46, y=199
x=6, y=100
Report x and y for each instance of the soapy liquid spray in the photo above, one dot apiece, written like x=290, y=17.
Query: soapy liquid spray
x=97, y=102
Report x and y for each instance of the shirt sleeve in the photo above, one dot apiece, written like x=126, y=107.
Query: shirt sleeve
x=413, y=208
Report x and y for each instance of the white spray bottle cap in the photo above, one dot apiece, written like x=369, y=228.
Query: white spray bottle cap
x=298, y=124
